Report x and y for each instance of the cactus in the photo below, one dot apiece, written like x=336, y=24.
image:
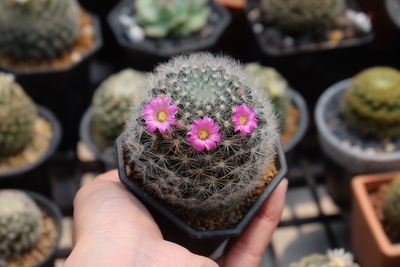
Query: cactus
x=183, y=141
x=304, y=16
x=160, y=18
x=38, y=29
x=391, y=207
x=111, y=103
x=20, y=223
x=17, y=116
x=372, y=102
x=275, y=85
x=333, y=258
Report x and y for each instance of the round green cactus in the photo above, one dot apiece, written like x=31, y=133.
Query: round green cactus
x=17, y=116
x=20, y=223
x=37, y=30
x=160, y=18
x=275, y=85
x=203, y=135
x=111, y=103
x=333, y=258
x=372, y=102
x=304, y=16
x=392, y=205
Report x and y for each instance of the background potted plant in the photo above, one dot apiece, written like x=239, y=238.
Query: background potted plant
x=393, y=9
x=332, y=258
x=234, y=4
x=30, y=229
x=201, y=150
x=357, y=121
x=376, y=219
x=29, y=136
x=46, y=45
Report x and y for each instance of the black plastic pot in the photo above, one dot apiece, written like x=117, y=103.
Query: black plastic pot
x=272, y=42
x=86, y=134
x=176, y=230
x=33, y=176
x=65, y=91
x=153, y=50
x=393, y=9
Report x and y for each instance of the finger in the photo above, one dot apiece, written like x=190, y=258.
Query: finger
x=248, y=249
x=110, y=176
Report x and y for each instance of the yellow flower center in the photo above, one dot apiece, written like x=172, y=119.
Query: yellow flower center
x=243, y=119
x=162, y=116
x=204, y=134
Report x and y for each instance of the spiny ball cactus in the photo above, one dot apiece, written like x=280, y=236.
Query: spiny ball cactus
x=392, y=206
x=17, y=116
x=275, y=85
x=111, y=103
x=160, y=18
x=20, y=223
x=372, y=102
x=304, y=16
x=203, y=136
x=333, y=258
x=37, y=29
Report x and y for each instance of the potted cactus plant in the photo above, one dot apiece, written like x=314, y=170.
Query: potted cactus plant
x=201, y=149
x=294, y=26
x=376, y=218
x=30, y=229
x=290, y=106
x=332, y=258
x=159, y=29
x=47, y=45
x=104, y=121
x=358, y=126
x=29, y=135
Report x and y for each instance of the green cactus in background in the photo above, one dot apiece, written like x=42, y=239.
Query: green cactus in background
x=333, y=258
x=275, y=85
x=372, y=102
x=111, y=103
x=160, y=18
x=37, y=29
x=392, y=207
x=201, y=162
x=20, y=223
x=17, y=116
x=304, y=16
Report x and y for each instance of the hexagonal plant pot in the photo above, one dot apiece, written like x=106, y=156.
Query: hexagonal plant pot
x=274, y=42
x=370, y=243
x=176, y=230
x=154, y=49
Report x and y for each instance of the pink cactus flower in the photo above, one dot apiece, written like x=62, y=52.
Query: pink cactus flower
x=204, y=134
x=244, y=119
x=159, y=114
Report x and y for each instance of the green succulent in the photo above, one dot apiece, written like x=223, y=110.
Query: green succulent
x=304, y=16
x=392, y=206
x=111, y=103
x=20, y=223
x=37, y=29
x=333, y=258
x=372, y=102
x=18, y=114
x=160, y=18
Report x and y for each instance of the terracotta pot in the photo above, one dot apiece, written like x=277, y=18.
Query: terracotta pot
x=234, y=4
x=370, y=243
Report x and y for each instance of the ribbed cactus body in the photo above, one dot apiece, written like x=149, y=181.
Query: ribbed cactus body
x=112, y=101
x=169, y=166
x=37, y=29
x=392, y=206
x=304, y=16
x=275, y=85
x=20, y=223
x=372, y=102
x=160, y=18
x=17, y=116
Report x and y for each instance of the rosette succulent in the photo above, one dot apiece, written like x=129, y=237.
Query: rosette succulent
x=160, y=18
x=333, y=258
x=203, y=136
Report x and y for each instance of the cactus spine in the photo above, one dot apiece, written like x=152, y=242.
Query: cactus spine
x=37, y=29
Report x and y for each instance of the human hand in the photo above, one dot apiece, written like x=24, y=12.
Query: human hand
x=113, y=228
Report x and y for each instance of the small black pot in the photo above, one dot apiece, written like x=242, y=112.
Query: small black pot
x=273, y=41
x=176, y=230
x=64, y=91
x=55, y=214
x=86, y=134
x=34, y=176
x=153, y=50
x=393, y=9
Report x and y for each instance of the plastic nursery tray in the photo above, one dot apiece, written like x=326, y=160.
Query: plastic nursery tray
x=273, y=42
